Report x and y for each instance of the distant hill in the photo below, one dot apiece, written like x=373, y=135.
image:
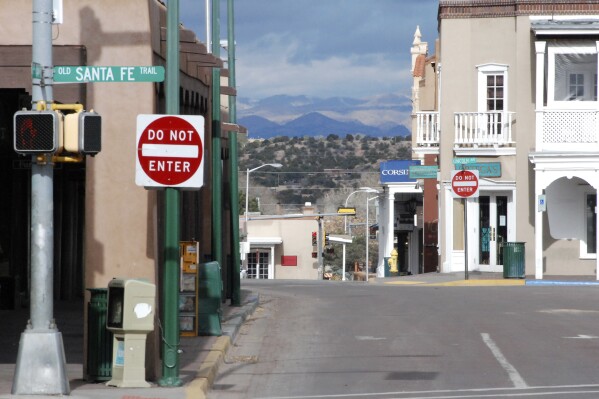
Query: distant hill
x=298, y=116
x=315, y=124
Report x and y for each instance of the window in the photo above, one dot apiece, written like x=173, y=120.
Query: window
x=576, y=87
x=492, y=95
x=492, y=87
x=572, y=76
x=589, y=247
x=494, y=92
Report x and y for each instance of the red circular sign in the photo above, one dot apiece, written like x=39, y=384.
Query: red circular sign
x=464, y=183
x=170, y=150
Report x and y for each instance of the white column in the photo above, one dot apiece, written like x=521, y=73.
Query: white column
x=389, y=221
x=448, y=261
x=539, y=186
x=539, y=95
x=597, y=108
x=271, y=263
x=383, y=219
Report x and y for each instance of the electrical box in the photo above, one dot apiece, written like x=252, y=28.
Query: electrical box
x=188, y=290
x=131, y=309
x=130, y=306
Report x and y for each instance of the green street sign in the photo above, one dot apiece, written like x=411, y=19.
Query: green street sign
x=461, y=161
x=36, y=70
x=89, y=74
x=423, y=171
x=490, y=169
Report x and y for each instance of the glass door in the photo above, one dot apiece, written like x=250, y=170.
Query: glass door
x=258, y=262
x=493, y=228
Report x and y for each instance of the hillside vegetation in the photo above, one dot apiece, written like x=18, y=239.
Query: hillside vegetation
x=314, y=169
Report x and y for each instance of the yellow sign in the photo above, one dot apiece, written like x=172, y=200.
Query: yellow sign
x=346, y=211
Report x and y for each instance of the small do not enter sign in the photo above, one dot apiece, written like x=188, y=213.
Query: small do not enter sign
x=170, y=151
x=464, y=183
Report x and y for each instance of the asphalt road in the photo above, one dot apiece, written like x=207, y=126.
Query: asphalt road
x=355, y=340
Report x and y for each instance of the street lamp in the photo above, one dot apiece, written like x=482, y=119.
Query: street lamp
x=367, y=231
x=360, y=190
x=247, y=185
x=346, y=200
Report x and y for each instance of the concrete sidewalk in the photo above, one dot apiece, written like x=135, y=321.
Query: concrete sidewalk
x=476, y=278
x=199, y=359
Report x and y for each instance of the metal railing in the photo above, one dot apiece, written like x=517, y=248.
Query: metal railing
x=427, y=129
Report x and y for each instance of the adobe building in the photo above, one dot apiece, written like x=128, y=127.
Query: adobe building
x=105, y=226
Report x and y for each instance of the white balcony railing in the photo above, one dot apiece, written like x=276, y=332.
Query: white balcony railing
x=427, y=129
x=571, y=130
x=483, y=128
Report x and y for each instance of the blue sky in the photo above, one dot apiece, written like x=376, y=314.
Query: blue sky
x=321, y=48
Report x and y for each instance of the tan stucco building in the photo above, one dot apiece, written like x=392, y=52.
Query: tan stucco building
x=105, y=225
x=281, y=247
x=515, y=97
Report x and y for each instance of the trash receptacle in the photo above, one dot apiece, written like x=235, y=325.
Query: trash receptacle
x=99, y=339
x=210, y=293
x=513, y=260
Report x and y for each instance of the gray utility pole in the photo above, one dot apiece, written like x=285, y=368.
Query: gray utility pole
x=41, y=365
x=319, y=248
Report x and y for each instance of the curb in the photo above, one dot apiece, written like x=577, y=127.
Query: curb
x=562, y=283
x=201, y=384
x=461, y=283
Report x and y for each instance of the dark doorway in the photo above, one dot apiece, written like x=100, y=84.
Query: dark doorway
x=15, y=210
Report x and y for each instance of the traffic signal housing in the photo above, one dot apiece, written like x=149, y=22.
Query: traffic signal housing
x=314, y=239
x=83, y=133
x=36, y=132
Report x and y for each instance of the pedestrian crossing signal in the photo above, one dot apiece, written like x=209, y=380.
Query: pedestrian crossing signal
x=82, y=133
x=36, y=132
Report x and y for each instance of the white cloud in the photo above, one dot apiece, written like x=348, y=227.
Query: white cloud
x=267, y=70
x=322, y=48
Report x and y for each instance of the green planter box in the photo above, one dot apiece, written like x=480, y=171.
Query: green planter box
x=210, y=298
x=99, y=339
x=513, y=260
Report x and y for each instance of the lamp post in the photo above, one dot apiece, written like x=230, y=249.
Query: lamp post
x=361, y=190
x=367, y=231
x=247, y=186
x=346, y=200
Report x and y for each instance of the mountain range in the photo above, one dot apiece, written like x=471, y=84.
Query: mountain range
x=299, y=116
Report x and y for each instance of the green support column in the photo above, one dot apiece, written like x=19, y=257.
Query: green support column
x=170, y=300
x=217, y=172
x=235, y=256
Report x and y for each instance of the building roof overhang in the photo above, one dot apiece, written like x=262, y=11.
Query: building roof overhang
x=565, y=25
x=265, y=240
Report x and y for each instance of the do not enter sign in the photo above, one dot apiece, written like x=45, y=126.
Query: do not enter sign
x=464, y=183
x=170, y=151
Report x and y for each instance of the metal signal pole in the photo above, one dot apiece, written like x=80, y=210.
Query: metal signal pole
x=170, y=341
x=41, y=364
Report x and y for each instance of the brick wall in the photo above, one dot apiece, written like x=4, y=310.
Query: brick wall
x=511, y=8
